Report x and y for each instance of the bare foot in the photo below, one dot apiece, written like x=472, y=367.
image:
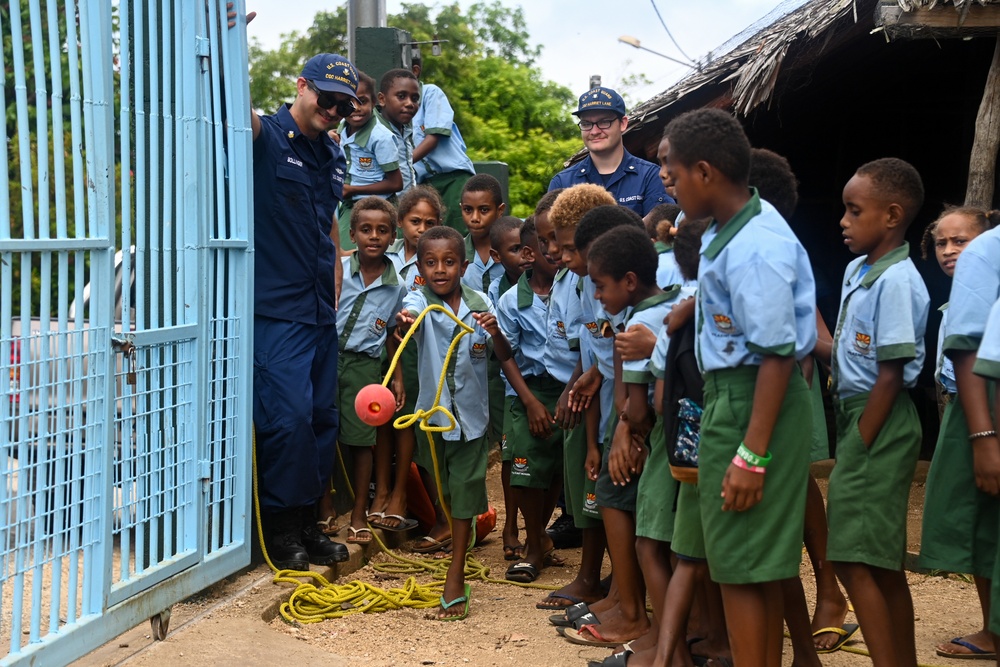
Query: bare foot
x=829, y=614
x=960, y=646
x=614, y=627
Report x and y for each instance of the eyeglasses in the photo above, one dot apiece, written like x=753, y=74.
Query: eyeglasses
x=326, y=100
x=602, y=124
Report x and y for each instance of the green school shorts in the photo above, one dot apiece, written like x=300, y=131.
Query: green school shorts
x=608, y=494
x=355, y=371
x=462, y=467
x=960, y=522
x=537, y=463
x=656, y=499
x=763, y=543
x=870, y=486
x=820, y=450
x=689, y=540
x=581, y=500
x=506, y=452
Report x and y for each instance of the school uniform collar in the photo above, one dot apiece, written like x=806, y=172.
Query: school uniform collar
x=470, y=298
x=656, y=299
x=525, y=295
x=361, y=137
x=404, y=131
x=894, y=256
x=662, y=247
x=389, y=275
x=560, y=273
x=733, y=227
x=470, y=249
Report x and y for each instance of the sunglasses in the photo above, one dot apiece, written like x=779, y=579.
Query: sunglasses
x=327, y=100
x=603, y=124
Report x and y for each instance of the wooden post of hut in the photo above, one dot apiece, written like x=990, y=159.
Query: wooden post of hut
x=913, y=19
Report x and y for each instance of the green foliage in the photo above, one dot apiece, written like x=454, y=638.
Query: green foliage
x=506, y=111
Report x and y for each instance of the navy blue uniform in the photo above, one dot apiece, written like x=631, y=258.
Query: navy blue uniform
x=635, y=184
x=298, y=184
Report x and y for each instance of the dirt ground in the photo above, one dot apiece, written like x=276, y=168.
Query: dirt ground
x=504, y=628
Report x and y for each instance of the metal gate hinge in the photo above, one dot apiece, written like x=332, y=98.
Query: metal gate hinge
x=204, y=469
x=202, y=47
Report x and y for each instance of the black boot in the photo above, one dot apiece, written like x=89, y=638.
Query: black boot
x=283, y=536
x=321, y=549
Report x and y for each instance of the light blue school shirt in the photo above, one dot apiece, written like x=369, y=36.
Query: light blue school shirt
x=435, y=116
x=522, y=316
x=397, y=253
x=883, y=317
x=562, y=327
x=404, y=144
x=593, y=322
x=371, y=152
x=465, y=389
x=945, y=372
x=370, y=310
x=498, y=288
x=648, y=313
x=988, y=358
x=667, y=271
x=974, y=290
x=756, y=293
x=658, y=360
x=479, y=274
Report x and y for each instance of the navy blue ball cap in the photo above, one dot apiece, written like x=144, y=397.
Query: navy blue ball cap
x=332, y=73
x=601, y=99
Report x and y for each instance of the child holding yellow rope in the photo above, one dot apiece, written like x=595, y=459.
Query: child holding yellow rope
x=441, y=260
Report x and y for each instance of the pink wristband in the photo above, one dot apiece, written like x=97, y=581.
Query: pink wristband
x=740, y=463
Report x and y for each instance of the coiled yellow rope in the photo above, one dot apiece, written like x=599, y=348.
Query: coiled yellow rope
x=317, y=599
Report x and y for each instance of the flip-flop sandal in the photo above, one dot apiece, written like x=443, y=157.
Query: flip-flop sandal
x=373, y=517
x=976, y=653
x=843, y=633
x=431, y=546
x=467, y=598
x=402, y=523
x=619, y=659
x=328, y=526
x=578, y=637
x=522, y=573
x=353, y=537
x=552, y=559
x=557, y=607
x=513, y=551
x=587, y=619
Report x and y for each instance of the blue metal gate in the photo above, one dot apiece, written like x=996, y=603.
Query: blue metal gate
x=125, y=294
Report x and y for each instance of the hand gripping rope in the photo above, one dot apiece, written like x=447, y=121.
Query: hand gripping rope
x=317, y=600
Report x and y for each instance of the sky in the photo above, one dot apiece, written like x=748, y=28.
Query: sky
x=579, y=38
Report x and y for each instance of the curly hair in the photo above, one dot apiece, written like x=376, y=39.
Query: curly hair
x=687, y=246
x=421, y=193
x=981, y=219
x=775, y=181
x=442, y=233
x=622, y=249
x=372, y=204
x=597, y=221
x=712, y=136
x=895, y=181
x=573, y=202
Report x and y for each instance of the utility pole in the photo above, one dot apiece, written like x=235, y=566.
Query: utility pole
x=363, y=14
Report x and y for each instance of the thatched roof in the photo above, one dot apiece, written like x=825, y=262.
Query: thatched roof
x=961, y=5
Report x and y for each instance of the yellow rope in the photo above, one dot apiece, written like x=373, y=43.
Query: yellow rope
x=316, y=599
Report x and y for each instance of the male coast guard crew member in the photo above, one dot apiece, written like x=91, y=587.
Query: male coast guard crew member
x=298, y=181
x=635, y=183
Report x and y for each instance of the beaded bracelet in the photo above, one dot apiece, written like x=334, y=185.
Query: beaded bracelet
x=753, y=459
x=740, y=463
x=982, y=434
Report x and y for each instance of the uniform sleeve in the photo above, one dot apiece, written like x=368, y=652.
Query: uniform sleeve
x=895, y=326
x=658, y=362
x=573, y=312
x=386, y=149
x=988, y=358
x=507, y=319
x=400, y=296
x=414, y=302
x=638, y=371
x=769, y=328
x=438, y=114
x=974, y=290
x=654, y=193
x=556, y=182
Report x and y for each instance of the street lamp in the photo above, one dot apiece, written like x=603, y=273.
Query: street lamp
x=634, y=41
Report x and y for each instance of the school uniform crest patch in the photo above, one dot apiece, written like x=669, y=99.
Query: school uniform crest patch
x=862, y=342
x=419, y=281
x=377, y=327
x=519, y=466
x=561, y=328
x=593, y=328
x=365, y=162
x=478, y=351
x=724, y=324
x=590, y=503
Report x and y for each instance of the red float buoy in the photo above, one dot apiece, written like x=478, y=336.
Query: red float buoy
x=375, y=404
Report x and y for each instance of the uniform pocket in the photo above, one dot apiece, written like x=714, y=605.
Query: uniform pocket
x=292, y=188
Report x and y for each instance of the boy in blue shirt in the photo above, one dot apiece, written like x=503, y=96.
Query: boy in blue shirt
x=878, y=350
x=398, y=101
x=372, y=157
x=462, y=450
x=756, y=316
x=439, y=156
x=370, y=295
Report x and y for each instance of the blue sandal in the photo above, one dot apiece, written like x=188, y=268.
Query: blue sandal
x=459, y=600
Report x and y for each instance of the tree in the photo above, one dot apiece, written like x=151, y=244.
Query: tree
x=506, y=111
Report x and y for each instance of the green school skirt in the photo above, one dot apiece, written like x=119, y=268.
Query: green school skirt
x=765, y=542
x=689, y=539
x=537, y=462
x=870, y=486
x=608, y=493
x=656, y=499
x=354, y=372
x=581, y=500
x=960, y=522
